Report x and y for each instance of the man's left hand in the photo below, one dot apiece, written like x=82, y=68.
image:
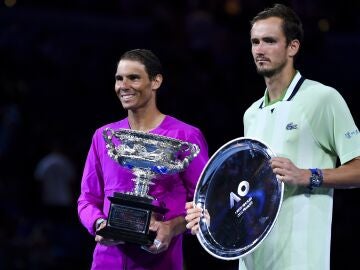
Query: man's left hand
x=165, y=231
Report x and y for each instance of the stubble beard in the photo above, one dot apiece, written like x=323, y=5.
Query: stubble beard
x=270, y=72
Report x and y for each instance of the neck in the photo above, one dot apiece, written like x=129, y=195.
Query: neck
x=278, y=83
x=145, y=121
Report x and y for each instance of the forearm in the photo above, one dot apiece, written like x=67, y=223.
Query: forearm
x=88, y=213
x=345, y=176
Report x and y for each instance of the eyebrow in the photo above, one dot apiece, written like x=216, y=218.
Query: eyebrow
x=265, y=38
x=130, y=76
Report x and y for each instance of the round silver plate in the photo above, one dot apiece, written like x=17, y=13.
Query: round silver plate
x=241, y=198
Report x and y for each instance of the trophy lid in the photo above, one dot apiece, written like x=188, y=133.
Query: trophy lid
x=241, y=198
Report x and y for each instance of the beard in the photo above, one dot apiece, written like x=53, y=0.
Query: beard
x=270, y=72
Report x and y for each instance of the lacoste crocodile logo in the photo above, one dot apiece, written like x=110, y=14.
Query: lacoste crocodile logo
x=291, y=126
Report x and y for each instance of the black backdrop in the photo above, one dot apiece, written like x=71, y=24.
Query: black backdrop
x=58, y=60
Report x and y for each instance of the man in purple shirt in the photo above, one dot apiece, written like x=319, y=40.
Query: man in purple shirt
x=137, y=80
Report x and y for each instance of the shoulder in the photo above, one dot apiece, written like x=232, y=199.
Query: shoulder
x=317, y=95
x=319, y=103
x=113, y=125
x=174, y=123
x=254, y=106
x=311, y=89
x=98, y=135
x=173, y=127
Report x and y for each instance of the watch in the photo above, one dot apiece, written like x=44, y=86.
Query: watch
x=98, y=223
x=316, y=178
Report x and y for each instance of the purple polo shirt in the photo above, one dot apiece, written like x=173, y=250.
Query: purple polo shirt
x=102, y=176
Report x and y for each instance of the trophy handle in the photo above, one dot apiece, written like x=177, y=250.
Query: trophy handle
x=108, y=134
x=194, y=151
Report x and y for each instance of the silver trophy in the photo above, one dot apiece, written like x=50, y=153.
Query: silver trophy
x=146, y=155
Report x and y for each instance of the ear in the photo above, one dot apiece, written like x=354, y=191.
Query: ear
x=294, y=47
x=156, y=82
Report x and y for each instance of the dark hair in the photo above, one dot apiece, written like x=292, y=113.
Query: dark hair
x=151, y=62
x=292, y=25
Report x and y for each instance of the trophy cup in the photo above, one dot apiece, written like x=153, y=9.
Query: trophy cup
x=146, y=155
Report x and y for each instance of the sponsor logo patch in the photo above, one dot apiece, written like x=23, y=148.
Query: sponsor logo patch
x=351, y=134
x=291, y=126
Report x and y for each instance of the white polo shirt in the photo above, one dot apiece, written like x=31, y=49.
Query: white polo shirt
x=311, y=126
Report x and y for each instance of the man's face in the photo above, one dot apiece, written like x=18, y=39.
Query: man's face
x=133, y=86
x=268, y=46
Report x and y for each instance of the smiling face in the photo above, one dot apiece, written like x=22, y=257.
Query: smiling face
x=134, y=87
x=269, y=47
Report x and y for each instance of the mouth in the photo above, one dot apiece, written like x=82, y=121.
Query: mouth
x=262, y=60
x=127, y=96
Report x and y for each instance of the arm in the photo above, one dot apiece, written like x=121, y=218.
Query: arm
x=177, y=225
x=339, y=137
x=345, y=176
x=192, y=174
x=91, y=199
x=194, y=213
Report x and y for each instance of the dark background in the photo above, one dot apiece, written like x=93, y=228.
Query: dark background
x=57, y=62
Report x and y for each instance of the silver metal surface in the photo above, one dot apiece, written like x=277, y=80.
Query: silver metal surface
x=147, y=155
x=241, y=198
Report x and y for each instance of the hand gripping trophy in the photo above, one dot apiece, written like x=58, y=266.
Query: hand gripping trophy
x=147, y=155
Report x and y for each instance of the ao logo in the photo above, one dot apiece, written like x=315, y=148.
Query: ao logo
x=243, y=189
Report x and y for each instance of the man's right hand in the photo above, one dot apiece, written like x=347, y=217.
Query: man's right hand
x=106, y=241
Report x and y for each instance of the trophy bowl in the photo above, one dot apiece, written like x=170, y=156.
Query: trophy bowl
x=241, y=198
x=146, y=155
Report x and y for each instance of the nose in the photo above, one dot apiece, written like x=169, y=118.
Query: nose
x=122, y=84
x=258, y=48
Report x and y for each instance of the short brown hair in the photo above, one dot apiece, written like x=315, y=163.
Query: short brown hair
x=292, y=25
x=146, y=57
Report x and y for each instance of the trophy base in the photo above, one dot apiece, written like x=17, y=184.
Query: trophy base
x=127, y=236
x=129, y=219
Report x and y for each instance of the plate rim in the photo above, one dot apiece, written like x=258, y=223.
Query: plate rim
x=199, y=234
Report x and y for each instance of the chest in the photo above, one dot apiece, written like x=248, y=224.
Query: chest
x=284, y=126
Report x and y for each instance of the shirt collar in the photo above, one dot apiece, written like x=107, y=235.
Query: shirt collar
x=286, y=95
